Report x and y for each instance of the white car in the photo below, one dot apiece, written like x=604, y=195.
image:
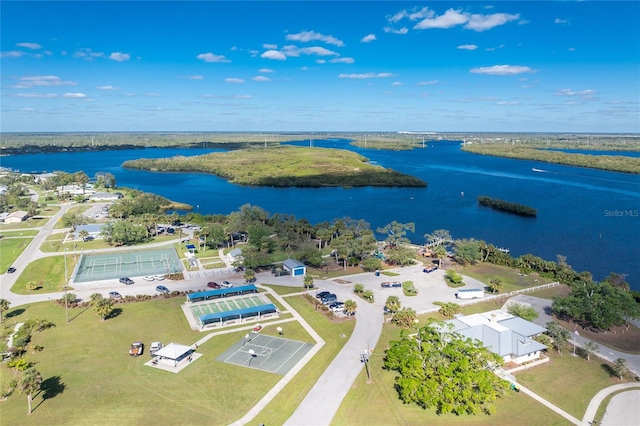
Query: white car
x=148, y=278
x=158, y=277
x=226, y=284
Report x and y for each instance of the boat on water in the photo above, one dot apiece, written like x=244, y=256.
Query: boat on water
x=502, y=249
x=537, y=170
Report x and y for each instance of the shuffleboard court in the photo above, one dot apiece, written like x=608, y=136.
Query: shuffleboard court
x=103, y=266
x=215, y=306
x=267, y=353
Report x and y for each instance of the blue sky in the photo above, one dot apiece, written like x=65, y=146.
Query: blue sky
x=526, y=66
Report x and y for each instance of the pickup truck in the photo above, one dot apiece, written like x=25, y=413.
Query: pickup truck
x=136, y=349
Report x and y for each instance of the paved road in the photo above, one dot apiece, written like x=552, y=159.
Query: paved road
x=623, y=409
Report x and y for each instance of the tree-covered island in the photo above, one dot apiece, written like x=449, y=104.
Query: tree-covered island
x=285, y=166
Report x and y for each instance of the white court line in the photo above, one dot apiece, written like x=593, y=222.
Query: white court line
x=302, y=345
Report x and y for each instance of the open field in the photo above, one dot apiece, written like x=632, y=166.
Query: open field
x=52, y=281
x=27, y=224
x=10, y=250
x=90, y=379
x=511, y=279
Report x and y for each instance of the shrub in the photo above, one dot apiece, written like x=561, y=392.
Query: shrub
x=409, y=289
x=453, y=278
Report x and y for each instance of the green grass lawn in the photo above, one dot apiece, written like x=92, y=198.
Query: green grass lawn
x=27, y=233
x=53, y=243
x=10, y=250
x=377, y=403
x=511, y=279
x=47, y=272
x=27, y=224
x=567, y=381
x=284, y=290
x=89, y=378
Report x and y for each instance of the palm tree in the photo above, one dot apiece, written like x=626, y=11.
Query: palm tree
x=392, y=304
x=440, y=252
x=103, y=308
x=308, y=281
x=30, y=383
x=83, y=234
x=350, y=307
x=4, y=305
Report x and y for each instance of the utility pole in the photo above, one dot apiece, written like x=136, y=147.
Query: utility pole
x=66, y=301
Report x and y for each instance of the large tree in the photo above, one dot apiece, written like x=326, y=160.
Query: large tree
x=393, y=304
x=559, y=335
x=396, y=233
x=439, y=369
x=523, y=311
x=439, y=237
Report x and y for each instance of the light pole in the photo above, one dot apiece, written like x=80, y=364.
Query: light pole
x=364, y=357
x=246, y=339
x=66, y=302
x=252, y=353
x=280, y=331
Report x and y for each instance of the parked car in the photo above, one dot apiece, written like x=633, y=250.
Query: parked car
x=148, y=278
x=251, y=280
x=158, y=277
x=126, y=280
x=337, y=306
x=11, y=270
x=226, y=284
x=162, y=289
x=114, y=295
x=323, y=294
x=327, y=300
x=213, y=284
x=155, y=347
x=136, y=349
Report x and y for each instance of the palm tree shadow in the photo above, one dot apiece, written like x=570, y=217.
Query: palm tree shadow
x=50, y=388
x=80, y=313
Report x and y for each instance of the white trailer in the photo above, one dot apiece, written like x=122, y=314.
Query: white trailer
x=470, y=293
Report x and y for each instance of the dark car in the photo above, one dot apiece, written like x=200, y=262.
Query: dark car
x=323, y=294
x=114, y=295
x=126, y=280
x=327, y=300
x=162, y=289
x=11, y=270
x=213, y=284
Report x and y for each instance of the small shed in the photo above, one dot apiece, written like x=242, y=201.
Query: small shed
x=295, y=268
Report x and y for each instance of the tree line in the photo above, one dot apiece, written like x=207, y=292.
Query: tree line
x=506, y=206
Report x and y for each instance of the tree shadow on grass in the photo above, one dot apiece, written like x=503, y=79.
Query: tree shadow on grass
x=50, y=388
x=116, y=312
x=15, y=313
x=609, y=370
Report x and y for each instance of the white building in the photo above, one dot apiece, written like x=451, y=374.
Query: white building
x=509, y=336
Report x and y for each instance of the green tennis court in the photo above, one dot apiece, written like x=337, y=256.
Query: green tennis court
x=225, y=305
x=267, y=353
x=103, y=266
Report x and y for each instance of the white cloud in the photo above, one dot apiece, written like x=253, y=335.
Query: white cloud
x=427, y=83
x=274, y=54
x=119, y=56
x=321, y=61
x=507, y=103
x=12, y=54
x=193, y=77
x=368, y=38
x=241, y=96
x=402, y=30
x=468, y=47
x=502, y=70
x=27, y=109
x=107, y=88
x=523, y=22
x=233, y=80
x=35, y=95
x=480, y=23
x=261, y=78
x=307, y=36
x=451, y=18
x=367, y=75
x=317, y=50
x=210, y=57
x=582, y=94
x=32, y=46
x=270, y=46
x=87, y=53
x=41, y=80
x=76, y=95
x=397, y=83
x=265, y=70
x=560, y=21
x=571, y=49
x=345, y=60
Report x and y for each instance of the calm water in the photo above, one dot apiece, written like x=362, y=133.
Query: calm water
x=590, y=216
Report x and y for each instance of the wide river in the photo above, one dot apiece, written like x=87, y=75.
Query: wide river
x=590, y=216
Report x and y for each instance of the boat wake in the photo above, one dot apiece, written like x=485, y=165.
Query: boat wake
x=539, y=170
